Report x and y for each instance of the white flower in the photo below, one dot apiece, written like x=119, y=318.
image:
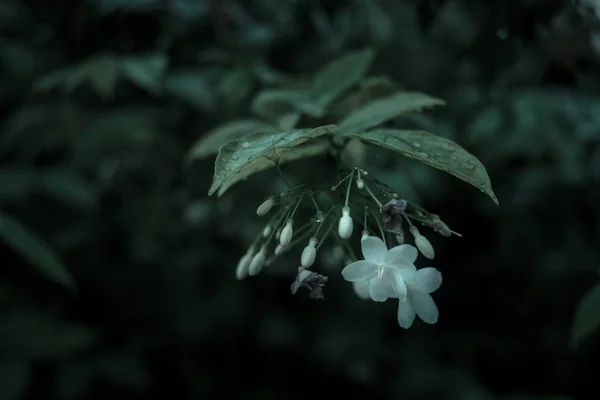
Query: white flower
x=361, y=289
x=419, y=302
x=385, y=270
x=345, y=226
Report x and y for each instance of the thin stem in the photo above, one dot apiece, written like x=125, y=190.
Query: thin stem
x=348, y=189
x=379, y=226
x=373, y=196
x=326, y=234
x=297, y=204
x=314, y=202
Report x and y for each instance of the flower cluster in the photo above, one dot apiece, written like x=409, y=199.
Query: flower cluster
x=383, y=273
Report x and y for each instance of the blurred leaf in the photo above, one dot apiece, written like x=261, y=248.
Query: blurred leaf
x=587, y=317
x=39, y=337
x=433, y=150
x=268, y=75
x=14, y=376
x=338, y=76
x=210, y=143
x=272, y=103
x=192, y=86
x=289, y=121
x=235, y=87
x=146, y=71
x=241, y=158
x=35, y=250
x=382, y=110
x=101, y=72
x=370, y=89
x=68, y=188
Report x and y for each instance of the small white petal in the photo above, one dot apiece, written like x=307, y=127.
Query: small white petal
x=308, y=256
x=425, y=307
x=241, y=270
x=399, y=285
x=373, y=249
x=406, y=314
x=430, y=279
x=364, y=235
x=424, y=246
x=345, y=226
x=257, y=263
x=361, y=289
x=265, y=207
x=286, y=234
x=361, y=270
x=401, y=255
x=381, y=289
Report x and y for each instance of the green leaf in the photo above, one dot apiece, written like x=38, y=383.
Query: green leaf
x=373, y=88
x=587, y=317
x=239, y=159
x=68, y=188
x=35, y=250
x=433, y=150
x=235, y=86
x=335, y=78
x=382, y=110
x=211, y=142
x=271, y=103
x=146, y=71
x=192, y=86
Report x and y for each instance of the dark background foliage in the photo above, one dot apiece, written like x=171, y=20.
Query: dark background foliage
x=92, y=161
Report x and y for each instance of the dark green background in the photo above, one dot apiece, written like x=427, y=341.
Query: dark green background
x=158, y=312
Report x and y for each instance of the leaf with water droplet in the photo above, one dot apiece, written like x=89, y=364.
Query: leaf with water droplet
x=382, y=110
x=587, y=317
x=435, y=151
x=210, y=143
x=237, y=160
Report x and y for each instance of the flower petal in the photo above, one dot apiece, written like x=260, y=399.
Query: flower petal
x=398, y=283
x=361, y=289
x=425, y=307
x=406, y=314
x=381, y=289
x=401, y=255
x=430, y=279
x=373, y=249
x=361, y=270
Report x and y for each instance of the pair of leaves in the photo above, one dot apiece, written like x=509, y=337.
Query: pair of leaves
x=314, y=98
x=27, y=243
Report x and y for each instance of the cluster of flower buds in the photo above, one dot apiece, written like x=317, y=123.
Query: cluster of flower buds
x=360, y=192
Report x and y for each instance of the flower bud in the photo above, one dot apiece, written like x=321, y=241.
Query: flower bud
x=286, y=233
x=422, y=243
x=265, y=207
x=364, y=235
x=257, y=263
x=345, y=226
x=267, y=231
x=278, y=234
x=309, y=253
x=241, y=270
x=360, y=184
x=279, y=249
x=400, y=238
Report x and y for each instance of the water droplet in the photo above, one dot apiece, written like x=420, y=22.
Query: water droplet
x=416, y=144
x=245, y=145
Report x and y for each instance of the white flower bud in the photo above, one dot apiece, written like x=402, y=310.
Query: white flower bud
x=364, y=235
x=400, y=238
x=265, y=207
x=360, y=184
x=278, y=234
x=267, y=231
x=257, y=263
x=241, y=270
x=345, y=226
x=422, y=243
x=279, y=249
x=309, y=253
x=286, y=233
